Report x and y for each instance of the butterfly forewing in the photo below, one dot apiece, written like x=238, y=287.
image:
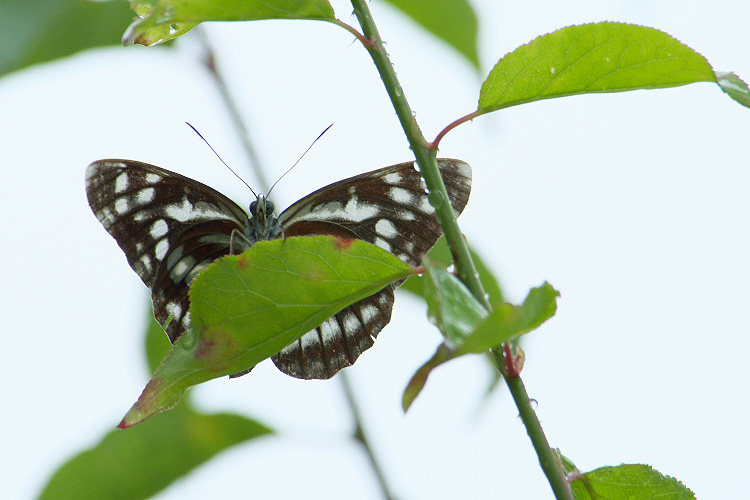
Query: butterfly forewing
x=169, y=226
x=389, y=208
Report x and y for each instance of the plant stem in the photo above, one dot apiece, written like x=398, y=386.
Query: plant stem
x=426, y=157
x=359, y=435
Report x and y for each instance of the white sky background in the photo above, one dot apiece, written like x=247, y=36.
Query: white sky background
x=633, y=205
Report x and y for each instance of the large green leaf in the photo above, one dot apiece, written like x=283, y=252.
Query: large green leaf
x=248, y=307
x=629, y=481
x=591, y=58
x=163, y=20
x=453, y=21
x=36, y=31
x=137, y=463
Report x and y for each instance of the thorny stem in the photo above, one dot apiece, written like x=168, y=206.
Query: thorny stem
x=426, y=156
x=231, y=106
x=359, y=435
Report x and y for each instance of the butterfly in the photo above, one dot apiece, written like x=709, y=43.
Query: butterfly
x=171, y=227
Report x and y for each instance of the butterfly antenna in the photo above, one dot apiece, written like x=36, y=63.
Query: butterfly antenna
x=225, y=163
x=300, y=158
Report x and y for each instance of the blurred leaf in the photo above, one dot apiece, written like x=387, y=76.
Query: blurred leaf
x=441, y=253
x=508, y=321
x=137, y=463
x=163, y=20
x=735, y=87
x=245, y=308
x=601, y=57
x=453, y=21
x=36, y=31
x=450, y=305
x=467, y=331
x=626, y=482
x=419, y=379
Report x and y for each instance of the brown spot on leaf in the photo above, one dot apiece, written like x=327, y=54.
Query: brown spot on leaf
x=342, y=243
x=242, y=262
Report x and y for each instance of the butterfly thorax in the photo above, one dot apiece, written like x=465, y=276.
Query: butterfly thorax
x=263, y=224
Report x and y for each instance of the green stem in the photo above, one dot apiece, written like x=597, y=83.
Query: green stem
x=426, y=157
x=359, y=435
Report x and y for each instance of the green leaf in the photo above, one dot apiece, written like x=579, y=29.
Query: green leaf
x=441, y=253
x=157, y=342
x=248, y=307
x=163, y=20
x=137, y=463
x=626, y=482
x=601, y=57
x=451, y=307
x=453, y=21
x=419, y=379
x=735, y=87
x=508, y=321
x=467, y=328
x=36, y=31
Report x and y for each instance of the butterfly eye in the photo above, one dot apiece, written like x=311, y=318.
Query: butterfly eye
x=253, y=207
x=269, y=207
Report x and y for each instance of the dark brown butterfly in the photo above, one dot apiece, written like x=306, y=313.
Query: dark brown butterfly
x=171, y=227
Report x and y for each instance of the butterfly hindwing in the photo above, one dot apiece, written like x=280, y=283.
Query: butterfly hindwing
x=169, y=226
x=386, y=207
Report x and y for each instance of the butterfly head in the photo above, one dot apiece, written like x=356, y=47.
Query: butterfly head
x=263, y=222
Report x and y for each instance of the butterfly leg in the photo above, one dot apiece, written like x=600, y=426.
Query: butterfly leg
x=238, y=242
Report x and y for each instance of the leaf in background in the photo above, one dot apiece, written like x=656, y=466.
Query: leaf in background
x=440, y=253
x=36, y=31
x=245, y=308
x=137, y=463
x=601, y=57
x=453, y=21
x=735, y=87
x=163, y=20
x=628, y=482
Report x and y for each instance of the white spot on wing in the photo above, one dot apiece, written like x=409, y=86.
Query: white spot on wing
x=145, y=195
x=161, y=249
x=158, y=229
x=385, y=228
x=145, y=261
x=330, y=331
x=401, y=195
x=121, y=183
x=425, y=206
x=392, y=178
x=353, y=211
x=121, y=205
x=180, y=270
x=351, y=322
x=383, y=244
x=152, y=178
x=186, y=212
x=173, y=309
x=368, y=312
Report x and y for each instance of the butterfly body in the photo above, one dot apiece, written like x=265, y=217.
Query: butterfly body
x=171, y=227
